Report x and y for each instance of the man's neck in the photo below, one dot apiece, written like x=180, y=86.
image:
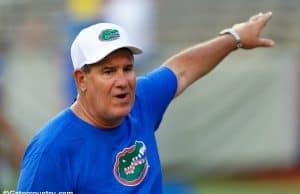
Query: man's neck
x=79, y=109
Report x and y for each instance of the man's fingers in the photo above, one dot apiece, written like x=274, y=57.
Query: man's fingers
x=264, y=18
x=263, y=42
x=250, y=31
x=255, y=17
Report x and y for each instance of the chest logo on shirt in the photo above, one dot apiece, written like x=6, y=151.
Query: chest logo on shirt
x=131, y=164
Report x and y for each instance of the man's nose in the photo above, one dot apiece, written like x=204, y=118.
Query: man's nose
x=121, y=79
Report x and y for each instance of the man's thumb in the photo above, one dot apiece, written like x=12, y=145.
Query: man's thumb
x=266, y=42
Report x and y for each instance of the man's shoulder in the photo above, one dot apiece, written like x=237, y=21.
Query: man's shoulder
x=57, y=134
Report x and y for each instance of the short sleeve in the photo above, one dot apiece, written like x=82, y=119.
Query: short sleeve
x=156, y=90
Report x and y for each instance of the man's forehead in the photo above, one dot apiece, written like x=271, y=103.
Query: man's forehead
x=121, y=51
x=110, y=59
x=118, y=55
x=109, y=63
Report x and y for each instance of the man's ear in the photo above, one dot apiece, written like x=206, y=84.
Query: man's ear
x=80, y=79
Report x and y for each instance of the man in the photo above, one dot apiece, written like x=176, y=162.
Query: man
x=105, y=143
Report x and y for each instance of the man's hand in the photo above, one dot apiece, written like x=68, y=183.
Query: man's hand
x=250, y=31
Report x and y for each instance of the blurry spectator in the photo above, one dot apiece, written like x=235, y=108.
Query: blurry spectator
x=298, y=108
x=14, y=143
x=11, y=147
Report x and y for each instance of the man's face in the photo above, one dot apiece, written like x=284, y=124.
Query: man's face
x=110, y=86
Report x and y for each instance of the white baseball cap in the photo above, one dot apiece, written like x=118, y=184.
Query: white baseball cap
x=95, y=42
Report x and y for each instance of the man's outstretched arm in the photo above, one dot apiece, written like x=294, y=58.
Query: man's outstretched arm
x=193, y=63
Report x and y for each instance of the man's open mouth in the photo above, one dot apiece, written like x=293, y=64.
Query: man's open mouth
x=122, y=96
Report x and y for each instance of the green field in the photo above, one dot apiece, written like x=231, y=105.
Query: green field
x=249, y=187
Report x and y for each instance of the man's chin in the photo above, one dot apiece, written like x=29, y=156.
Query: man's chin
x=122, y=112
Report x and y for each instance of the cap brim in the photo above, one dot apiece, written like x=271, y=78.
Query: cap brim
x=134, y=49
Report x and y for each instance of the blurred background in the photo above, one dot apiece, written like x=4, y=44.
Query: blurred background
x=234, y=131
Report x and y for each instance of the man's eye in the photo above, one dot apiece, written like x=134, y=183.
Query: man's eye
x=128, y=68
x=108, y=71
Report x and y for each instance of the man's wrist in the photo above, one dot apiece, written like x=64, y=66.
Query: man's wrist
x=234, y=34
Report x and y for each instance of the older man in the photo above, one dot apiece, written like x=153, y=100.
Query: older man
x=105, y=143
